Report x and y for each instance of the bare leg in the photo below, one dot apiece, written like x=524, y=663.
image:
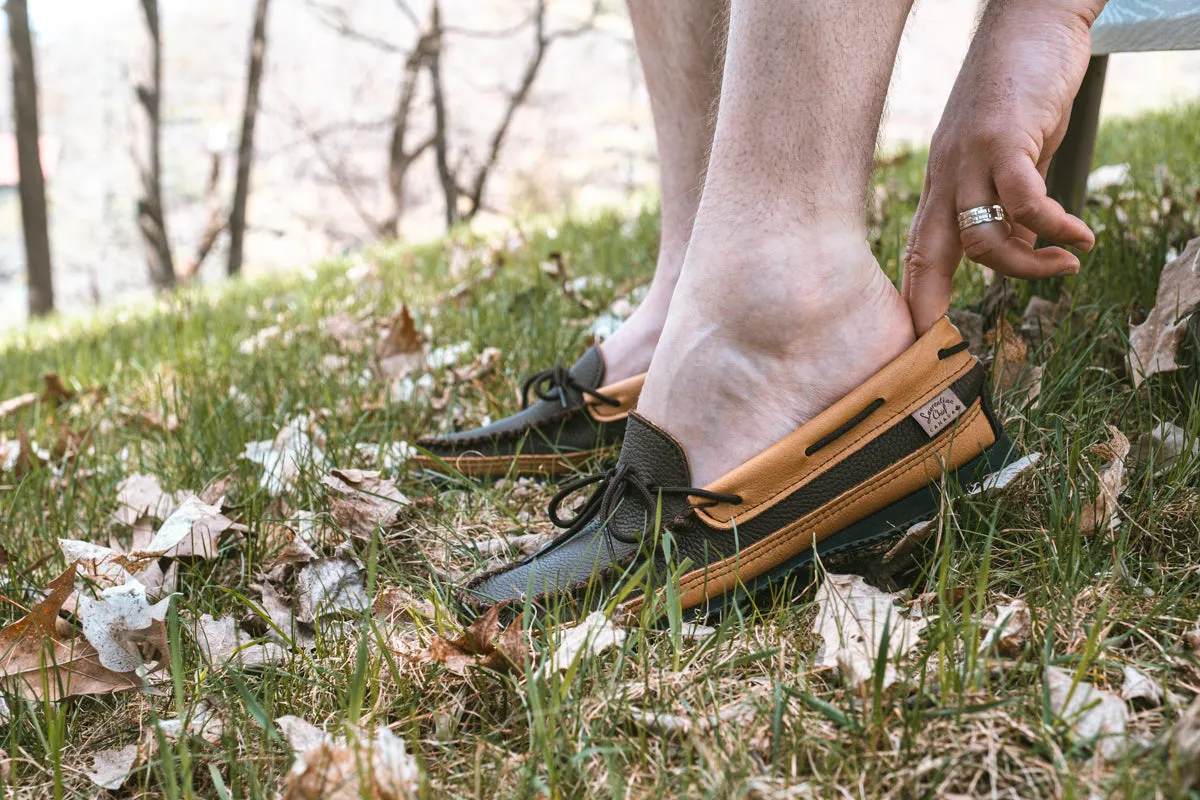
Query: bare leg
x=680, y=46
x=781, y=308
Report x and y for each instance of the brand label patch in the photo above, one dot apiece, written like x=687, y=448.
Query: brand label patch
x=936, y=415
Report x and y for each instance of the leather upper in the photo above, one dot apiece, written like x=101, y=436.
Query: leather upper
x=794, y=494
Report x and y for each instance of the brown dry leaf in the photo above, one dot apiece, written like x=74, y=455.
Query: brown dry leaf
x=1154, y=345
x=295, y=634
x=348, y=768
x=1185, y=745
x=401, y=349
x=5, y=768
x=142, y=495
x=204, y=723
x=111, y=768
x=1192, y=640
x=350, y=334
x=555, y=268
x=1091, y=714
x=394, y=604
x=1011, y=368
x=483, y=644
x=502, y=548
x=38, y=660
x=1043, y=316
x=1009, y=626
x=150, y=419
x=361, y=501
x=970, y=325
x=851, y=618
x=1101, y=513
x=595, y=634
x=221, y=641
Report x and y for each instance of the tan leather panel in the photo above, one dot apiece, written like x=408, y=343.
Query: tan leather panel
x=972, y=435
x=627, y=391
x=499, y=466
x=907, y=383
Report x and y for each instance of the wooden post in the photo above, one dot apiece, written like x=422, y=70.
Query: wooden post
x=1066, y=180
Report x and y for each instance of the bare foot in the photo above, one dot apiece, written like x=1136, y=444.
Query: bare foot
x=750, y=353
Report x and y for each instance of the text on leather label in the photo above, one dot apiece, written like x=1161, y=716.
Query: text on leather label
x=938, y=413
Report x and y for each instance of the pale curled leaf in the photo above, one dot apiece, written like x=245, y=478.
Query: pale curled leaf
x=1009, y=625
x=1185, y=745
x=851, y=619
x=1161, y=447
x=192, y=530
x=284, y=458
x=111, y=768
x=142, y=495
x=998, y=481
x=221, y=642
x=1154, y=345
x=1092, y=715
x=595, y=634
x=330, y=587
x=1136, y=686
x=353, y=767
x=118, y=621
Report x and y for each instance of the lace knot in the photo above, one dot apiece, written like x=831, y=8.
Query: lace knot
x=552, y=384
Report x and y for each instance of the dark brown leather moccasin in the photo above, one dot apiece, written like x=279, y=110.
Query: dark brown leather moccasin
x=845, y=486
x=575, y=418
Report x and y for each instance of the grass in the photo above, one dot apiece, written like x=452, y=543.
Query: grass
x=762, y=722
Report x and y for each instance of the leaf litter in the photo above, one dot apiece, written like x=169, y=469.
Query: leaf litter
x=1154, y=345
x=349, y=767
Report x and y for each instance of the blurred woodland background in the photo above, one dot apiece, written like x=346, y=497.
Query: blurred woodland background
x=185, y=140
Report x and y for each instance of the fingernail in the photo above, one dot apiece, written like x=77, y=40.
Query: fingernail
x=1085, y=246
x=1068, y=271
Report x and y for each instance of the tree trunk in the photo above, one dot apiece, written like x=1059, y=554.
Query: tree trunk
x=237, y=216
x=151, y=220
x=29, y=162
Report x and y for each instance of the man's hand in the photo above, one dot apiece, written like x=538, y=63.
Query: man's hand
x=1005, y=118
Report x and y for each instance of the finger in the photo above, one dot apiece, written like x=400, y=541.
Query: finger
x=931, y=257
x=1022, y=192
x=998, y=246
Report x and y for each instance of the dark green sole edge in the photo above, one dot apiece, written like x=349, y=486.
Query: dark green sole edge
x=858, y=538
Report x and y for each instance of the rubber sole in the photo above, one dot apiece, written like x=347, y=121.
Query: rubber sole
x=859, y=549
x=503, y=466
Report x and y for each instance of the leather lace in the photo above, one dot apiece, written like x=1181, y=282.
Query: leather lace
x=552, y=384
x=612, y=487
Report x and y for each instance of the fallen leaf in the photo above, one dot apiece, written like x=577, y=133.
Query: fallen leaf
x=192, y=530
x=999, y=481
x=394, y=604
x=1192, y=640
x=354, y=767
x=852, y=616
x=285, y=457
x=401, y=349
x=1009, y=625
x=351, y=335
x=595, y=634
x=300, y=734
x=330, y=587
x=18, y=403
x=1011, y=369
x=361, y=502
x=261, y=339
x=525, y=545
x=295, y=634
x=38, y=660
x=204, y=723
x=221, y=642
x=142, y=495
x=482, y=644
x=1107, y=176
x=388, y=456
x=1137, y=686
x=1092, y=715
x=1154, y=345
x=1101, y=513
x=1042, y=317
x=111, y=768
x=1185, y=745
x=124, y=627
x=1165, y=443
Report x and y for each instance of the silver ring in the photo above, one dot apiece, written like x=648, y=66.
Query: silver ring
x=979, y=215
